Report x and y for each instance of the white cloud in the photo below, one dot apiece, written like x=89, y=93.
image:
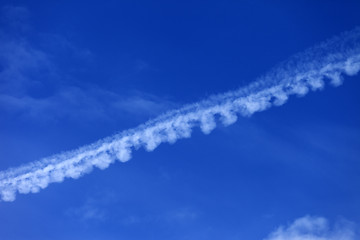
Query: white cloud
x=314, y=228
x=302, y=73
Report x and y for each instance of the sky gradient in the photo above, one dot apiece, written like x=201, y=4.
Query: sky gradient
x=71, y=74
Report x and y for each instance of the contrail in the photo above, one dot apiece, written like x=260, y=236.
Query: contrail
x=296, y=76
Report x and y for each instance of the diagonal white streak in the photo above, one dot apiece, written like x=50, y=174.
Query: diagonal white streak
x=301, y=73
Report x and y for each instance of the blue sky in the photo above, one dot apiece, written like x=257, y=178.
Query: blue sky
x=72, y=73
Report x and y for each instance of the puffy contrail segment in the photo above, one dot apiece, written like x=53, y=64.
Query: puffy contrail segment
x=301, y=73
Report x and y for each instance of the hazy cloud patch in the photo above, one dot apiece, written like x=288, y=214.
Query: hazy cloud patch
x=315, y=228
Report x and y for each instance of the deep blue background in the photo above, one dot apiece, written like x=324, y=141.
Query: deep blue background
x=239, y=182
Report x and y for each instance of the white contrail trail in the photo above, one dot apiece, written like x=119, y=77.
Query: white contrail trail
x=301, y=73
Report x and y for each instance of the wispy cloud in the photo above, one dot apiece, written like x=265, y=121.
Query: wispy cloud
x=20, y=62
x=33, y=85
x=87, y=212
x=182, y=215
x=93, y=209
x=297, y=76
x=314, y=228
x=16, y=18
x=75, y=103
